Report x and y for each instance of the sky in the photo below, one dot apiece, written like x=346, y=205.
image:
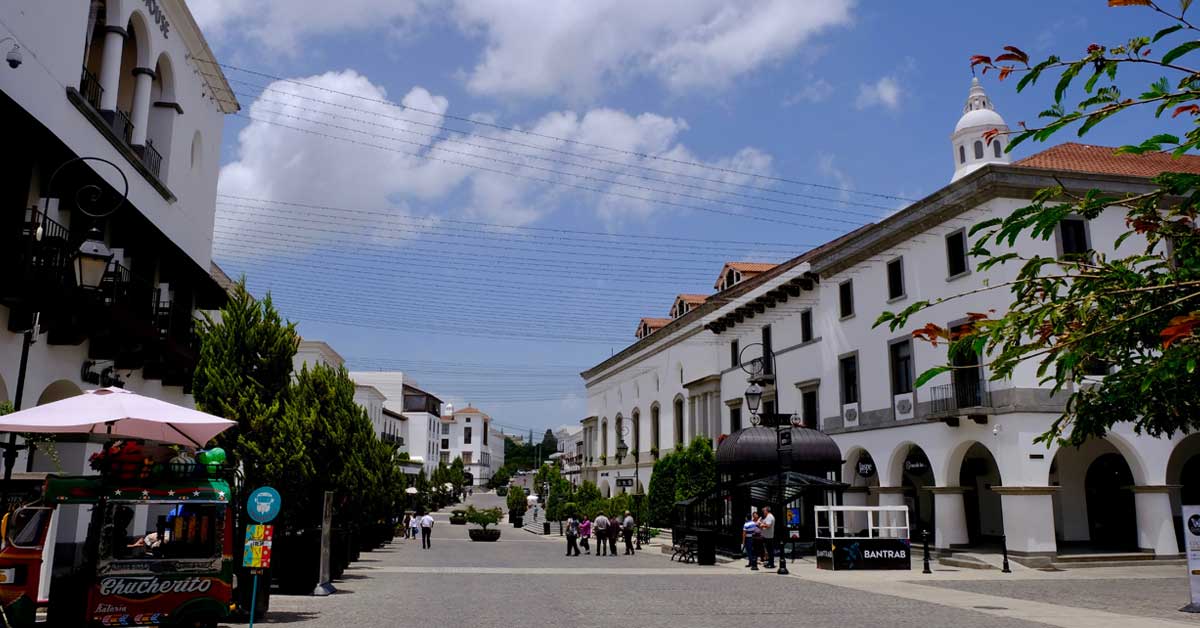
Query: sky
x=488, y=195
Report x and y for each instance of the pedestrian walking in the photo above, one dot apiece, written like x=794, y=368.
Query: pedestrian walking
x=572, y=537
x=767, y=525
x=426, y=531
x=614, y=533
x=628, y=526
x=414, y=526
x=407, y=525
x=585, y=531
x=749, y=529
x=600, y=525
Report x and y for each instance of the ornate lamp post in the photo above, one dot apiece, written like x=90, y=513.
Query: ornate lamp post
x=91, y=261
x=759, y=375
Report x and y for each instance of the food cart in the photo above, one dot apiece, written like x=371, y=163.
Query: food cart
x=158, y=550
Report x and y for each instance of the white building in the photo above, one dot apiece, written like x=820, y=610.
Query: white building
x=413, y=413
x=570, y=452
x=133, y=88
x=467, y=434
x=959, y=450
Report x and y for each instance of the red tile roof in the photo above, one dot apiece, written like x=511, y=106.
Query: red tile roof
x=654, y=323
x=750, y=267
x=694, y=299
x=471, y=410
x=1104, y=160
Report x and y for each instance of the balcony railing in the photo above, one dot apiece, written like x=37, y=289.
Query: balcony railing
x=122, y=125
x=958, y=398
x=89, y=87
x=120, y=287
x=152, y=158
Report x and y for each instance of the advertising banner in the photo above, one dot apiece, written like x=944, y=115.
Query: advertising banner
x=841, y=554
x=257, y=554
x=1191, y=536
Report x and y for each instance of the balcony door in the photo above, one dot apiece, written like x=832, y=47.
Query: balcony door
x=967, y=375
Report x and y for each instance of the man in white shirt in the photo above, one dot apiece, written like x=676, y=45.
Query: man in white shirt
x=426, y=531
x=767, y=526
x=627, y=529
x=600, y=525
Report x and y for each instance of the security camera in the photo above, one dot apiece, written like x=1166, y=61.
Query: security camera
x=996, y=431
x=14, y=57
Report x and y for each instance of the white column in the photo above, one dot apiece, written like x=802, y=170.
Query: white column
x=888, y=496
x=1156, y=520
x=949, y=517
x=141, y=105
x=714, y=417
x=691, y=421
x=1029, y=519
x=110, y=69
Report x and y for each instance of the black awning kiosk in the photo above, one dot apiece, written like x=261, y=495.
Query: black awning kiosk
x=862, y=537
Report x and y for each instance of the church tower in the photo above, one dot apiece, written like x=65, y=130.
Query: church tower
x=971, y=151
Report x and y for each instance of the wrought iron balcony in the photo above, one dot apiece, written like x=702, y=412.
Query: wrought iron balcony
x=89, y=87
x=152, y=158
x=122, y=125
x=39, y=266
x=969, y=398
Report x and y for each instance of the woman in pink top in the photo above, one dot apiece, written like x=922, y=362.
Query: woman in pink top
x=585, y=532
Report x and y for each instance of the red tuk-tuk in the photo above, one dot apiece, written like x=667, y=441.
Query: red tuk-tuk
x=109, y=551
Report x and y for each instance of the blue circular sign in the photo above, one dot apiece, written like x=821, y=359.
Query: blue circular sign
x=263, y=504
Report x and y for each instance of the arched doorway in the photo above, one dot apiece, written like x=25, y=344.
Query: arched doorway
x=862, y=475
x=58, y=391
x=1112, y=517
x=678, y=421
x=1183, y=470
x=916, y=475
x=1094, y=508
x=978, y=474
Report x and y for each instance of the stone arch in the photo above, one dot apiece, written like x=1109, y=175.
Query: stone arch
x=57, y=391
x=138, y=25
x=160, y=129
x=1183, y=469
x=911, y=469
x=976, y=470
x=893, y=472
x=949, y=471
x=850, y=472
x=1095, y=505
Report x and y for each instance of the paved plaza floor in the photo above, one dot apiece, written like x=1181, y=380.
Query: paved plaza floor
x=525, y=580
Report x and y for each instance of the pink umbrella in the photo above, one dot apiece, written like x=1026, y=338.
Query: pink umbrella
x=119, y=413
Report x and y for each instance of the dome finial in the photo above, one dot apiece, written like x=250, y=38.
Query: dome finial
x=979, y=116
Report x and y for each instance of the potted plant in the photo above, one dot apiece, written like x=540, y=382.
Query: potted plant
x=654, y=453
x=516, y=506
x=458, y=517
x=603, y=459
x=484, y=518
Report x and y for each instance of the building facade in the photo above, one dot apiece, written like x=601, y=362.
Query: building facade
x=960, y=450
x=467, y=434
x=417, y=428
x=122, y=99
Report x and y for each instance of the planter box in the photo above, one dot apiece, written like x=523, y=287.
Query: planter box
x=490, y=535
x=518, y=522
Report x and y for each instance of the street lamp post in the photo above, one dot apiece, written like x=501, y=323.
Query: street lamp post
x=759, y=375
x=622, y=450
x=91, y=261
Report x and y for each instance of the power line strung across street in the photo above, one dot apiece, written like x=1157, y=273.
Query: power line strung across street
x=484, y=123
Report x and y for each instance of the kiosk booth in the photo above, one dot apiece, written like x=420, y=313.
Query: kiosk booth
x=862, y=537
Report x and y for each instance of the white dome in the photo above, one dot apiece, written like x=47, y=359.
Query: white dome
x=979, y=117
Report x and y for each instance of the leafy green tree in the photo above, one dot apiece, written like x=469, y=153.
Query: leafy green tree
x=243, y=374
x=484, y=517
x=500, y=478
x=661, y=496
x=516, y=500
x=6, y=407
x=1132, y=316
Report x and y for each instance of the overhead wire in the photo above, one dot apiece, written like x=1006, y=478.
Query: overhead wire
x=501, y=127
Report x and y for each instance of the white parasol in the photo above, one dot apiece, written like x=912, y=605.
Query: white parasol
x=119, y=413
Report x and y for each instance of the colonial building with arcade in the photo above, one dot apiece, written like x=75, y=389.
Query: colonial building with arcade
x=960, y=450
x=113, y=114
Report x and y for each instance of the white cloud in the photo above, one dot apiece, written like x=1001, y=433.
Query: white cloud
x=885, y=92
x=282, y=25
x=827, y=166
x=540, y=49
x=356, y=150
x=814, y=91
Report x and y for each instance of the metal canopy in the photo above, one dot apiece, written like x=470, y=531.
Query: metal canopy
x=793, y=484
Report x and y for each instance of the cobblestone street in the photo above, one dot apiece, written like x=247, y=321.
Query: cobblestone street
x=525, y=580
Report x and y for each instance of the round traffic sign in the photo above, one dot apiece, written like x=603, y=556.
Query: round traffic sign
x=263, y=504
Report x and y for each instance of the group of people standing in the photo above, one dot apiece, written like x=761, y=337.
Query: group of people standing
x=607, y=531
x=420, y=524
x=758, y=539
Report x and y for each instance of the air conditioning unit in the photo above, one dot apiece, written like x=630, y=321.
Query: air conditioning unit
x=850, y=415
x=904, y=405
